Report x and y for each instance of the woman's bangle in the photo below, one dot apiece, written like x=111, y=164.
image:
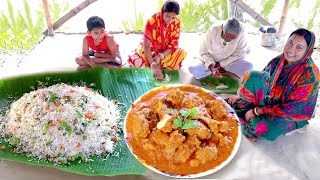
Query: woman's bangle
x=255, y=111
x=153, y=63
x=160, y=55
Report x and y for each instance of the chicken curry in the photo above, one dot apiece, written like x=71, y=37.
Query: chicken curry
x=181, y=130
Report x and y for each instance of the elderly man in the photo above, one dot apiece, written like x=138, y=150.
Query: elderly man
x=222, y=51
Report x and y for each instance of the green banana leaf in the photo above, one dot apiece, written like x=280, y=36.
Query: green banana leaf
x=208, y=82
x=125, y=85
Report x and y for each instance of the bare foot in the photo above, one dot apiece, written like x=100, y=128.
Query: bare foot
x=252, y=139
x=80, y=68
x=108, y=66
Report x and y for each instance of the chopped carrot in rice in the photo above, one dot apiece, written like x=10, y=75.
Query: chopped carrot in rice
x=88, y=115
x=59, y=121
x=78, y=145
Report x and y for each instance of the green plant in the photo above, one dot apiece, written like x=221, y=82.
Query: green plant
x=19, y=32
x=136, y=24
x=313, y=13
x=57, y=8
x=160, y=4
x=14, y=31
x=197, y=16
x=310, y=23
x=267, y=7
x=295, y=3
x=184, y=123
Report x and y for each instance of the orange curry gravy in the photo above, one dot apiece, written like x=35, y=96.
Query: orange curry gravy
x=153, y=136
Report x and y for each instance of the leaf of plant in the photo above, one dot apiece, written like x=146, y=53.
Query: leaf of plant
x=184, y=113
x=79, y=114
x=45, y=129
x=189, y=124
x=193, y=112
x=177, y=122
x=67, y=127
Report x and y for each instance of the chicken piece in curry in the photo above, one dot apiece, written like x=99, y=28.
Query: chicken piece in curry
x=181, y=130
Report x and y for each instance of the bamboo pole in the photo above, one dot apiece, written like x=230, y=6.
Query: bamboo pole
x=251, y=12
x=235, y=11
x=48, y=17
x=283, y=18
x=70, y=14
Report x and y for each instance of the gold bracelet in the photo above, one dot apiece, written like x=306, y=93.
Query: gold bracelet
x=255, y=111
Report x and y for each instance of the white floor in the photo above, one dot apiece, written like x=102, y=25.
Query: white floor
x=289, y=157
x=57, y=53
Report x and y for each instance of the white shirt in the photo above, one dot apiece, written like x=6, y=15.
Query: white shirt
x=213, y=50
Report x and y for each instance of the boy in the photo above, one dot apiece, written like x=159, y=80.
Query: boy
x=98, y=48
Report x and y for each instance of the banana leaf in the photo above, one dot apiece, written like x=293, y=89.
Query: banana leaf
x=208, y=82
x=125, y=85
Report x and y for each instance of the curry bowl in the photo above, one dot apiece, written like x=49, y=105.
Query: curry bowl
x=182, y=131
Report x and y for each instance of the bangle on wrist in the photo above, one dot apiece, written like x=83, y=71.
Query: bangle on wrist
x=153, y=63
x=255, y=111
x=160, y=55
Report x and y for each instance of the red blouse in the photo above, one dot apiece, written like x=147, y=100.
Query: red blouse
x=102, y=47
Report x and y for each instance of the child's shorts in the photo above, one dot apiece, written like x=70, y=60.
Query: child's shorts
x=91, y=53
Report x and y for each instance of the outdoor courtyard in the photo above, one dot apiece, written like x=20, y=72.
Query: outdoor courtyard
x=289, y=157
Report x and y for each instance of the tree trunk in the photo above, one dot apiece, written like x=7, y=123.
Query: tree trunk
x=48, y=17
x=70, y=14
x=283, y=18
x=235, y=11
x=251, y=12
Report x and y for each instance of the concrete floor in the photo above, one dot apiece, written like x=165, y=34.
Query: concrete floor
x=57, y=53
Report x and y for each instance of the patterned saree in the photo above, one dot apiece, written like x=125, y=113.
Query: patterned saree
x=162, y=37
x=286, y=93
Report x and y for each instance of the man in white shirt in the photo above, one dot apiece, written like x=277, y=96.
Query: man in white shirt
x=222, y=51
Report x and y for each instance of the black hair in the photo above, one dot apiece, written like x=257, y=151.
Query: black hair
x=171, y=6
x=303, y=32
x=95, y=22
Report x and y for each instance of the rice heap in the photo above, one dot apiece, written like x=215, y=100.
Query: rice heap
x=62, y=123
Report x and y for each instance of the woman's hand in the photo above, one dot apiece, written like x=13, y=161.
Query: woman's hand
x=157, y=71
x=157, y=60
x=233, y=99
x=250, y=115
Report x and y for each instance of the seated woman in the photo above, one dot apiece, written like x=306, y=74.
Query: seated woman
x=159, y=49
x=282, y=97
